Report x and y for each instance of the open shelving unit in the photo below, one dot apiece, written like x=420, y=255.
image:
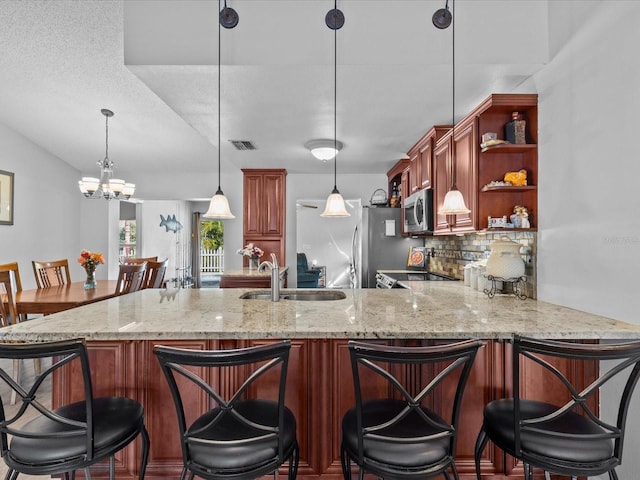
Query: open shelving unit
x=495, y=161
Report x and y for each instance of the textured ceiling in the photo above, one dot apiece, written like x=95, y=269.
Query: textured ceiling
x=154, y=63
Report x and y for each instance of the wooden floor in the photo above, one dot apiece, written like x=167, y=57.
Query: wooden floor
x=26, y=379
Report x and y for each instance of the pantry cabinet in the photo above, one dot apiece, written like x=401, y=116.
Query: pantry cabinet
x=264, y=210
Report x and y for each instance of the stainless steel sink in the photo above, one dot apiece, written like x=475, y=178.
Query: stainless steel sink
x=299, y=295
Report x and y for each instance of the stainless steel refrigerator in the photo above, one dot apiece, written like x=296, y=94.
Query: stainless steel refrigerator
x=383, y=246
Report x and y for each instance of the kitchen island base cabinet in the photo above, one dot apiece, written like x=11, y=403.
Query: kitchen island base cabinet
x=319, y=392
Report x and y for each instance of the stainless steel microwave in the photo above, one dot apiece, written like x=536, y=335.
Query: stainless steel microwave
x=418, y=212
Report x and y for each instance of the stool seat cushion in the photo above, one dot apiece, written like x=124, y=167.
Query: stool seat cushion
x=116, y=421
x=545, y=442
x=242, y=447
x=415, y=452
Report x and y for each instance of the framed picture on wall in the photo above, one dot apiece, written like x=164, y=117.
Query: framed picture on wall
x=6, y=198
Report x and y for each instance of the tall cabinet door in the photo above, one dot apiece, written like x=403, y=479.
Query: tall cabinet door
x=465, y=173
x=273, y=186
x=442, y=182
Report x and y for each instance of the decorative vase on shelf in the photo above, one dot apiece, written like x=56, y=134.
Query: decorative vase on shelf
x=90, y=282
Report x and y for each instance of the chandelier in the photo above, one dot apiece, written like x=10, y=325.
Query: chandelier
x=106, y=186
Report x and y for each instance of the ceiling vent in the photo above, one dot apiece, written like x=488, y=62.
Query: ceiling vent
x=243, y=144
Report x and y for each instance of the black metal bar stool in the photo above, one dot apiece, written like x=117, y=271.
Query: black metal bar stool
x=37, y=440
x=241, y=436
x=391, y=431
x=568, y=439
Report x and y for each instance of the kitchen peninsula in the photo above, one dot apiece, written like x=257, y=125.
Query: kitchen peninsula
x=121, y=333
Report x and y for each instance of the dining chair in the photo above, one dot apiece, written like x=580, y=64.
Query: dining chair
x=566, y=439
x=75, y=436
x=246, y=433
x=130, y=278
x=139, y=260
x=392, y=431
x=9, y=316
x=154, y=274
x=51, y=274
x=13, y=267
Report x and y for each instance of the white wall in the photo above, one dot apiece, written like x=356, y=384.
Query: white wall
x=48, y=222
x=154, y=239
x=589, y=232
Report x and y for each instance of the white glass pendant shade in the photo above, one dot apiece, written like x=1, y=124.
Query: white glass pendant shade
x=335, y=206
x=116, y=185
x=219, y=207
x=128, y=190
x=88, y=185
x=453, y=203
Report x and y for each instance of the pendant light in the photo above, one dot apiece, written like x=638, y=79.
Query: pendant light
x=219, y=205
x=453, y=200
x=106, y=186
x=335, y=206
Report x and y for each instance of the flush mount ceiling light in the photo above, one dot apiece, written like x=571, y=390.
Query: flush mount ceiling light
x=335, y=206
x=442, y=18
x=323, y=148
x=219, y=205
x=106, y=186
x=453, y=201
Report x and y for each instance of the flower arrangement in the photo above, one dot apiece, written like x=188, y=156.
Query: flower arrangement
x=90, y=260
x=251, y=251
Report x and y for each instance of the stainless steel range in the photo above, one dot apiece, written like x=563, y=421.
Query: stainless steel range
x=396, y=279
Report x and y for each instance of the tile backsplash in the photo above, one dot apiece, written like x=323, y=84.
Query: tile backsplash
x=452, y=253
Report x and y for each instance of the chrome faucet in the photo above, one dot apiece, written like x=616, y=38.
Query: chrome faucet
x=276, y=275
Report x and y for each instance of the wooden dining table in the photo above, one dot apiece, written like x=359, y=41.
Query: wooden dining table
x=62, y=297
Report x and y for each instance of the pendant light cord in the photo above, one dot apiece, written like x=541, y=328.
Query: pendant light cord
x=335, y=102
x=453, y=93
x=219, y=76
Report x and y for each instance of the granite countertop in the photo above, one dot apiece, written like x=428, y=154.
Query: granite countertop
x=428, y=310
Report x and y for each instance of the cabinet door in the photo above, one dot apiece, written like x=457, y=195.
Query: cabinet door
x=425, y=165
x=165, y=457
x=465, y=171
x=252, y=218
x=414, y=172
x=273, y=206
x=113, y=372
x=441, y=183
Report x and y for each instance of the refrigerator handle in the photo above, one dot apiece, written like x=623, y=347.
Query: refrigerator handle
x=354, y=258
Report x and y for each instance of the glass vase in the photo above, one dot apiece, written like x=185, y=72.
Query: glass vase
x=253, y=263
x=90, y=281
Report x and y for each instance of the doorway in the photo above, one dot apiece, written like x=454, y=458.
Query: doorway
x=211, y=252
